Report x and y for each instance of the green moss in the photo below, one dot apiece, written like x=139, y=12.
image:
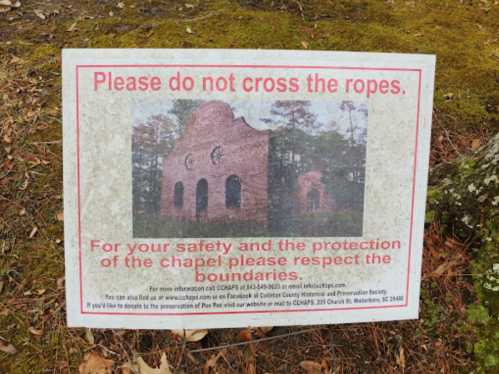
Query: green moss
x=462, y=37
x=434, y=194
x=478, y=314
x=468, y=204
x=486, y=348
x=44, y=53
x=432, y=312
x=466, y=97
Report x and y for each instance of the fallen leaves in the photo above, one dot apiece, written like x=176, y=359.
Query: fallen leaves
x=7, y=5
x=7, y=348
x=72, y=27
x=40, y=14
x=252, y=332
x=445, y=268
x=475, y=144
x=33, y=232
x=401, y=358
x=246, y=335
x=438, y=265
x=311, y=367
x=164, y=367
x=94, y=363
x=7, y=138
x=127, y=369
x=60, y=283
x=139, y=366
x=89, y=336
x=34, y=331
x=211, y=362
x=190, y=335
x=263, y=330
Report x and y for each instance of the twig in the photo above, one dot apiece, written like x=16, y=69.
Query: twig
x=254, y=341
x=300, y=6
x=50, y=142
x=450, y=142
x=184, y=344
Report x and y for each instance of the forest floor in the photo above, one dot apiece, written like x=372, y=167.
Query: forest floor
x=33, y=333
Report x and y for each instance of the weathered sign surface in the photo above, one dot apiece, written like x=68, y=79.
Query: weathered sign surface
x=224, y=188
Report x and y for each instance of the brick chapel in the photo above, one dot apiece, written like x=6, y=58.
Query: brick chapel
x=218, y=171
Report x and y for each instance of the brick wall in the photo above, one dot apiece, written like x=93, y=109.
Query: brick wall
x=307, y=182
x=244, y=152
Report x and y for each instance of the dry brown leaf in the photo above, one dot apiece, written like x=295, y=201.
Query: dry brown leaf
x=189, y=30
x=40, y=14
x=211, y=363
x=475, y=144
x=128, y=368
x=191, y=335
x=89, y=336
x=262, y=332
x=36, y=332
x=60, y=216
x=72, y=27
x=33, y=232
x=94, y=363
x=401, y=358
x=6, y=5
x=164, y=368
x=304, y=44
x=60, y=282
x=7, y=139
x=326, y=367
x=246, y=335
x=250, y=368
x=266, y=329
x=7, y=348
x=442, y=268
x=311, y=367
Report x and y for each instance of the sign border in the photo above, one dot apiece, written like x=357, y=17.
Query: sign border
x=416, y=145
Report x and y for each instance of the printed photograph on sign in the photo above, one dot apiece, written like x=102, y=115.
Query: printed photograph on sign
x=248, y=168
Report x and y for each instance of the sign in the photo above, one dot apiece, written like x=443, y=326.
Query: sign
x=231, y=188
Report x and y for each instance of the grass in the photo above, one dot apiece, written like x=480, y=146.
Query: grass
x=463, y=35
x=340, y=223
x=157, y=227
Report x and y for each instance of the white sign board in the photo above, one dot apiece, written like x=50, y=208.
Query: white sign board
x=230, y=188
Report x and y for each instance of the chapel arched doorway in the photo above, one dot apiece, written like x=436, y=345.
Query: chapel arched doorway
x=313, y=200
x=201, y=199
